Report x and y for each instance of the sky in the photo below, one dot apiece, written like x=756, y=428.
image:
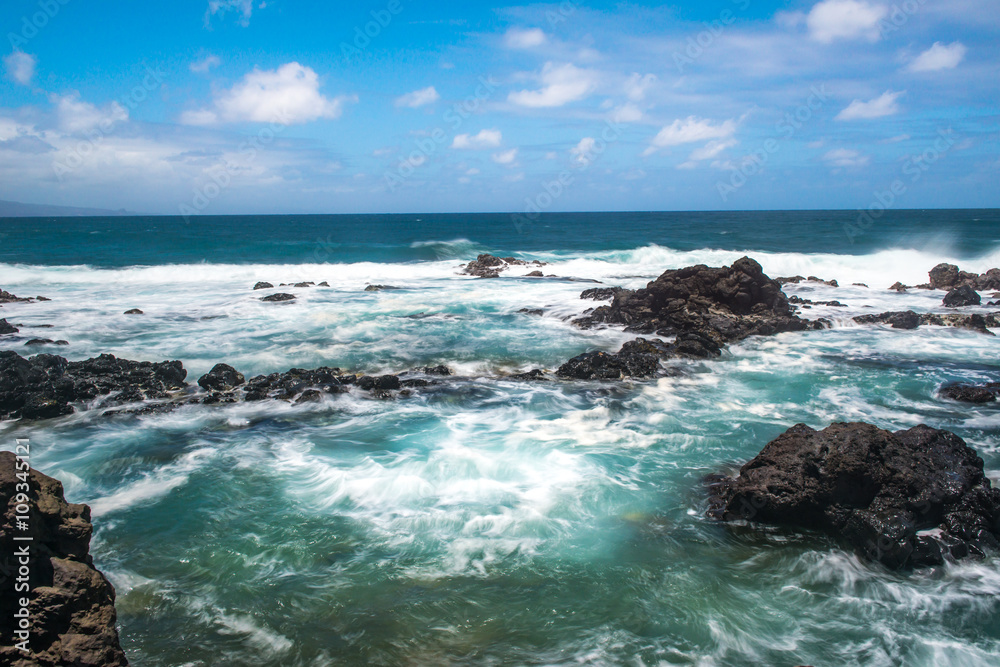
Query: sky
x=211, y=107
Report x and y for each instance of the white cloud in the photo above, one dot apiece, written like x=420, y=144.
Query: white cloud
x=689, y=130
x=485, y=139
x=711, y=149
x=562, y=84
x=896, y=139
x=637, y=85
x=78, y=116
x=418, y=98
x=939, y=57
x=205, y=64
x=243, y=7
x=845, y=157
x=521, y=38
x=507, y=158
x=582, y=152
x=831, y=20
x=627, y=113
x=884, y=105
x=288, y=95
x=20, y=67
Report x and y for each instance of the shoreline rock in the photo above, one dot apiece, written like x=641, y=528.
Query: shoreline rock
x=948, y=277
x=971, y=393
x=912, y=498
x=961, y=297
x=907, y=319
x=71, y=604
x=490, y=266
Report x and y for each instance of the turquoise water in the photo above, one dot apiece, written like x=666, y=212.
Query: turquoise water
x=488, y=521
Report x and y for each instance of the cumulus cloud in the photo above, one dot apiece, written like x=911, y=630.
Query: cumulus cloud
x=418, y=98
x=20, y=67
x=506, y=158
x=939, y=57
x=689, y=130
x=205, y=64
x=244, y=8
x=883, y=105
x=521, y=38
x=583, y=152
x=288, y=95
x=485, y=139
x=561, y=84
x=845, y=157
x=832, y=20
x=711, y=149
x=77, y=116
x=637, y=85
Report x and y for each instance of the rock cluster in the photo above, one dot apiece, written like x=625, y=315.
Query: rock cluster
x=972, y=393
x=7, y=328
x=810, y=279
x=907, y=319
x=948, y=277
x=910, y=498
x=45, y=385
x=71, y=604
x=490, y=266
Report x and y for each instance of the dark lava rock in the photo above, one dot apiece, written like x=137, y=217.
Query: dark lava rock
x=905, y=499
x=975, y=321
x=379, y=288
x=305, y=284
x=134, y=311
x=972, y=393
x=310, y=396
x=40, y=341
x=381, y=382
x=290, y=384
x=534, y=274
x=7, y=328
x=222, y=377
x=532, y=311
x=603, y=293
x=858, y=285
x=795, y=299
x=70, y=603
x=899, y=319
x=280, y=296
x=534, y=374
x=7, y=297
x=440, y=369
x=263, y=285
x=490, y=266
x=720, y=305
x=898, y=287
x=948, y=277
x=43, y=386
x=323, y=284
x=962, y=296
x=785, y=280
x=604, y=366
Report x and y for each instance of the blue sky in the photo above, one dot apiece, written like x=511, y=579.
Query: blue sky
x=275, y=106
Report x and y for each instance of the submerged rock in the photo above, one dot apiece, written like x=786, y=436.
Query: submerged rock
x=7, y=328
x=908, y=319
x=70, y=603
x=134, y=311
x=962, y=296
x=7, y=297
x=905, y=499
x=604, y=366
x=263, y=285
x=490, y=266
x=280, y=296
x=972, y=393
x=379, y=288
x=603, y=293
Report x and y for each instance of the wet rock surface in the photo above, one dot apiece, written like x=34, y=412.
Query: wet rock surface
x=906, y=499
x=949, y=277
x=971, y=393
x=71, y=604
x=7, y=328
x=907, y=319
x=490, y=266
x=962, y=296
x=278, y=297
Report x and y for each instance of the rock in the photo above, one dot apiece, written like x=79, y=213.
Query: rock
x=134, y=311
x=309, y=396
x=222, y=377
x=905, y=499
x=831, y=283
x=381, y=382
x=40, y=341
x=603, y=293
x=532, y=311
x=290, y=384
x=44, y=385
x=71, y=604
x=534, y=374
x=7, y=297
x=795, y=299
x=263, y=285
x=948, y=277
x=534, y=274
x=944, y=276
x=899, y=287
x=971, y=393
x=379, y=288
x=42, y=298
x=719, y=305
x=911, y=320
x=962, y=296
x=604, y=366
x=7, y=328
x=436, y=370
x=864, y=285
x=785, y=280
x=490, y=266
x=323, y=284
x=280, y=296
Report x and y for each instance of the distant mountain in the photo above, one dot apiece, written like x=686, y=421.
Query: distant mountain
x=14, y=209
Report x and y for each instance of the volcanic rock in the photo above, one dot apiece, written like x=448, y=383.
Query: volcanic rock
x=279, y=296
x=972, y=393
x=263, y=285
x=490, y=266
x=962, y=296
x=7, y=328
x=134, y=311
x=906, y=499
x=222, y=377
x=603, y=293
x=379, y=288
x=70, y=603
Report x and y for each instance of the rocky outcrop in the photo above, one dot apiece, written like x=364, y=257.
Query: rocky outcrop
x=7, y=297
x=972, y=393
x=603, y=293
x=949, y=276
x=278, y=297
x=907, y=319
x=45, y=385
x=721, y=305
x=490, y=266
x=7, y=328
x=222, y=377
x=910, y=498
x=379, y=288
x=134, y=311
x=785, y=280
x=71, y=605
x=962, y=296
x=262, y=285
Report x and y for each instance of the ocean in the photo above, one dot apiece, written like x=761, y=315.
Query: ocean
x=489, y=521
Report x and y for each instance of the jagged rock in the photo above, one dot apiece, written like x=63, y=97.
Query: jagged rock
x=905, y=499
x=70, y=603
x=534, y=274
x=7, y=328
x=972, y=393
x=795, y=299
x=381, y=382
x=948, y=277
x=720, y=305
x=785, y=280
x=858, y=285
x=263, y=285
x=44, y=385
x=222, y=377
x=532, y=311
x=490, y=266
x=280, y=296
x=906, y=319
x=604, y=366
x=379, y=288
x=309, y=396
x=898, y=287
x=962, y=296
x=323, y=284
x=134, y=311
x=440, y=369
x=305, y=284
x=603, y=293
x=7, y=297
x=534, y=374
x=290, y=384
x=911, y=320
